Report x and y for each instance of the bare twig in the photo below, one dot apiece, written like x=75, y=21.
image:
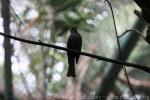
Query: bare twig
x=119, y=49
x=132, y=30
x=141, y=67
x=20, y=21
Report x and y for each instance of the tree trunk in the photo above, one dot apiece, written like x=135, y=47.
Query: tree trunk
x=8, y=51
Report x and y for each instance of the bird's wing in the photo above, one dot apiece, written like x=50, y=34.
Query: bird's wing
x=79, y=47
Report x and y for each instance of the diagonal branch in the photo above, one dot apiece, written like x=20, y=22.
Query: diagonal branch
x=141, y=67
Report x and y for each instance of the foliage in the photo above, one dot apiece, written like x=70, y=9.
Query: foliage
x=51, y=23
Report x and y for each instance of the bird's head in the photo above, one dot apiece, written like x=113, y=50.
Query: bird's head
x=73, y=29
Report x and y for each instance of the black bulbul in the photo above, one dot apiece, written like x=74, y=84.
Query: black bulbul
x=74, y=42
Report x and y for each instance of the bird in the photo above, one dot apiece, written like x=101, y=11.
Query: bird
x=75, y=43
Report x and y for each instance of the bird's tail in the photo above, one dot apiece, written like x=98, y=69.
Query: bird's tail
x=71, y=70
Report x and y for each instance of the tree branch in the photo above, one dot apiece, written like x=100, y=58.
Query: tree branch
x=119, y=49
x=132, y=30
x=141, y=67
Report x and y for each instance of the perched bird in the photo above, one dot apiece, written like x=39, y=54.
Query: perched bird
x=74, y=42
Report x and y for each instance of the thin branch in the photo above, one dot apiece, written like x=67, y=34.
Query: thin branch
x=20, y=21
x=144, y=68
x=119, y=49
x=132, y=30
x=114, y=22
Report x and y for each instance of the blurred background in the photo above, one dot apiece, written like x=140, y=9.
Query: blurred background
x=39, y=73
